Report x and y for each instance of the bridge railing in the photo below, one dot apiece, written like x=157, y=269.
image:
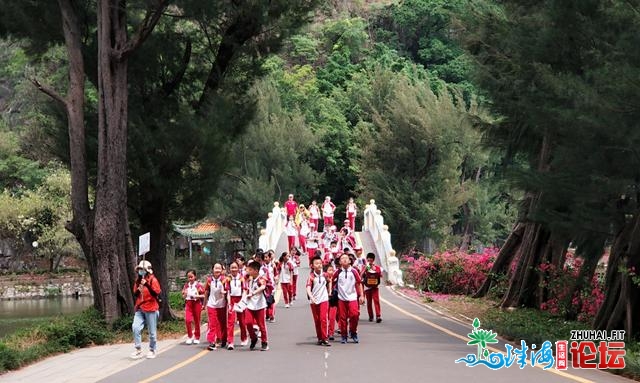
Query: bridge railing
x=270, y=235
x=374, y=223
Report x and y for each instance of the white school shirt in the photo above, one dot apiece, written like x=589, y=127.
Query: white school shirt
x=327, y=209
x=235, y=285
x=285, y=274
x=192, y=290
x=257, y=301
x=314, y=212
x=291, y=229
x=347, y=284
x=319, y=287
x=216, y=293
x=296, y=269
x=351, y=208
x=304, y=228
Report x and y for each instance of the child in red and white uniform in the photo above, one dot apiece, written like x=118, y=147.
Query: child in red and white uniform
x=193, y=293
x=317, y=291
x=291, y=229
x=352, y=210
x=303, y=234
x=235, y=287
x=349, y=298
x=291, y=206
x=256, y=305
x=268, y=272
x=327, y=211
x=216, y=298
x=371, y=277
x=314, y=215
x=329, y=235
x=335, y=250
x=312, y=246
x=296, y=272
x=347, y=236
x=333, y=310
x=286, y=277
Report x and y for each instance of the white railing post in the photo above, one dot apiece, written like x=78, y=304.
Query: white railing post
x=374, y=224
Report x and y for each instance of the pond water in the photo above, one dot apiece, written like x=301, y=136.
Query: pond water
x=20, y=313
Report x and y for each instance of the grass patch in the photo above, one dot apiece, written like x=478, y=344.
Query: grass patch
x=45, y=338
x=531, y=325
x=57, y=335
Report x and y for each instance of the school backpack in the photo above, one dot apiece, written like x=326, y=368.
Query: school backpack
x=371, y=279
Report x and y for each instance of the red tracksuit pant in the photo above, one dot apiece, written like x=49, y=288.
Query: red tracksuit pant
x=320, y=314
x=373, y=296
x=192, y=313
x=348, y=313
x=331, y=327
x=352, y=221
x=287, y=290
x=303, y=243
x=231, y=321
x=292, y=241
x=294, y=286
x=257, y=317
x=217, y=324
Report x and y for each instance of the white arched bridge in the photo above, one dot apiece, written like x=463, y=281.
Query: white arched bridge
x=373, y=238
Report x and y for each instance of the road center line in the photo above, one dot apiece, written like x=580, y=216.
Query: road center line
x=184, y=363
x=453, y=334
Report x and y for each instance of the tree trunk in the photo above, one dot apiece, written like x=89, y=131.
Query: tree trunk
x=503, y=260
x=111, y=192
x=523, y=283
x=152, y=220
x=621, y=306
x=590, y=251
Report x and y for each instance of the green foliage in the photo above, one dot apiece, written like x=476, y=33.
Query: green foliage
x=411, y=157
x=176, y=301
x=531, y=325
x=60, y=335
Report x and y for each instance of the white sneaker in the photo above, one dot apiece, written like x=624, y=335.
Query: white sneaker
x=189, y=341
x=151, y=354
x=286, y=306
x=196, y=341
x=137, y=354
x=244, y=342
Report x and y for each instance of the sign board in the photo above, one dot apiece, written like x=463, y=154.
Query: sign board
x=144, y=244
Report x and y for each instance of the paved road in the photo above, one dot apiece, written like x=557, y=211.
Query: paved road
x=412, y=344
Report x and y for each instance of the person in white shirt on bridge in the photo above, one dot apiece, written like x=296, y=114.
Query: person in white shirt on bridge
x=292, y=232
x=352, y=210
x=327, y=211
x=350, y=297
x=314, y=215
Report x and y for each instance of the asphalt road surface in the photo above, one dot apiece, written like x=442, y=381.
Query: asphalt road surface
x=412, y=344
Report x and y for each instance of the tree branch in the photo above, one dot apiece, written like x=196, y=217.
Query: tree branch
x=151, y=18
x=49, y=91
x=171, y=85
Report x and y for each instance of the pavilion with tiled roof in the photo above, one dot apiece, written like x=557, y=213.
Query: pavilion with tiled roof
x=200, y=232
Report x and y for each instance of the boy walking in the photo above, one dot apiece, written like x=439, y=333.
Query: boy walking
x=317, y=290
x=255, y=312
x=349, y=284
x=371, y=276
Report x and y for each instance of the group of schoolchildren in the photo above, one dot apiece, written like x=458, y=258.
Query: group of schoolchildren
x=303, y=224
x=339, y=282
x=245, y=295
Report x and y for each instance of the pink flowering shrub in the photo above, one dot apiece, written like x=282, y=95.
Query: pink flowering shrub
x=450, y=272
x=558, y=283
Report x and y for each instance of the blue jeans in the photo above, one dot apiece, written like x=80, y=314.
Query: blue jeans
x=139, y=320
